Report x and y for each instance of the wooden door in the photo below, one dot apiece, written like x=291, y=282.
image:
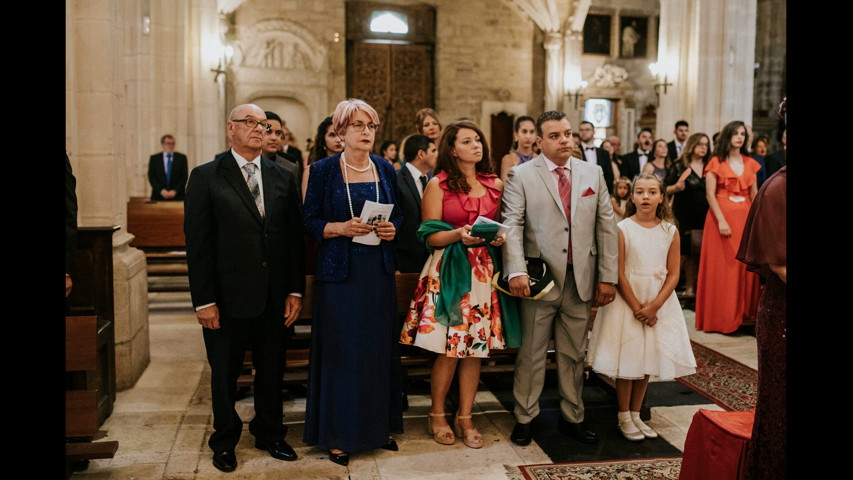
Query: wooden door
x=502, y=138
x=395, y=79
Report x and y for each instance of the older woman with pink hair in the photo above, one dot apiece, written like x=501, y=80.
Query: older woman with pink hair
x=353, y=400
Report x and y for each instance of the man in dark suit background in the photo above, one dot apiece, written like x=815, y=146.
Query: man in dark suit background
x=70, y=229
x=595, y=155
x=421, y=155
x=674, y=148
x=167, y=172
x=289, y=151
x=777, y=159
x=271, y=149
x=632, y=163
x=244, y=243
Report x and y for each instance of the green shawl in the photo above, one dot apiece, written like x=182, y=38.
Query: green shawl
x=454, y=273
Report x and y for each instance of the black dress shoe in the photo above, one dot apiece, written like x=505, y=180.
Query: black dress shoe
x=522, y=434
x=225, y=460
x=577, y=431
x=278, y=449
x=391, y=444
x=339, y=458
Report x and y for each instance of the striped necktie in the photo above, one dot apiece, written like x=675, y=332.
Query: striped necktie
x=252, y=181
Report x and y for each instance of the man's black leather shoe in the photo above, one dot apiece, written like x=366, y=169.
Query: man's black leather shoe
x=278, y=449
x=522, y=434
x=225, y=460
x=577, y=431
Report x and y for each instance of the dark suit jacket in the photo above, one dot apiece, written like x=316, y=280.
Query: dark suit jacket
x=235, y=257
x=411, y=253
x=294, y=155
x=631, y=165
x=326, y=201
x=672, y=150
x=157, y=175
x=774, y=161
x=603, y=160
x=70, y=217
x=291, y=167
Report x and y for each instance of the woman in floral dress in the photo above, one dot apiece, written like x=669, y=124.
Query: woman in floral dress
x=455, y=311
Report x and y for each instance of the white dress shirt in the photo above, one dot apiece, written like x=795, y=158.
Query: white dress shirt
x=416, y=174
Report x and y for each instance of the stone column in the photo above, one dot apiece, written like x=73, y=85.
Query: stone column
x=96, y=119
x=711, y=47
x=553, y=71
x=573, y=75
x=208, y=108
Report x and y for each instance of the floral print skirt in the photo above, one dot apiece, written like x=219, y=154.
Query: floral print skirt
x=480, y=330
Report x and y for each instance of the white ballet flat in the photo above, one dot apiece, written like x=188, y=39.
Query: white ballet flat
x=630, y=431
x=645, y=429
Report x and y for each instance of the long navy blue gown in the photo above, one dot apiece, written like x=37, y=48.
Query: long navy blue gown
x=353, y=401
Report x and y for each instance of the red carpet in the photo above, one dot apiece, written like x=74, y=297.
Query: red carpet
x=726, y=382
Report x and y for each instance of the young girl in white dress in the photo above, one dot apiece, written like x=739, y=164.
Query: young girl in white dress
x=643, y=332
x=619, y=198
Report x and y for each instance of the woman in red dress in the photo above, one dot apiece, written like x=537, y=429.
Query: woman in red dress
x=726, y=292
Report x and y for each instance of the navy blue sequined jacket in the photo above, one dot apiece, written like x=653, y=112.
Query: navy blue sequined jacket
x=326, y=201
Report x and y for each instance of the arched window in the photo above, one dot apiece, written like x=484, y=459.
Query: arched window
x=389, y=22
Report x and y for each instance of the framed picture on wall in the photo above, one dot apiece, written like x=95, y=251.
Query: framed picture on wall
x=596, y=34
x=633, y=37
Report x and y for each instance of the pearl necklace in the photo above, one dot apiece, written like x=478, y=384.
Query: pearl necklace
x=346, y=180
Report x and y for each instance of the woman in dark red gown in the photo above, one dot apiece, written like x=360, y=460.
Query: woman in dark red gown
x=763, y=250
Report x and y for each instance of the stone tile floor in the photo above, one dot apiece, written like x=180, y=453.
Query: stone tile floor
x=162, y=423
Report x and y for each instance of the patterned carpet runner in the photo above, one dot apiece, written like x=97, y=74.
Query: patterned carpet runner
x=726, y=382
x=645, y=469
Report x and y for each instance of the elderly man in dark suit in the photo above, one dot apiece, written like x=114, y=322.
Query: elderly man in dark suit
x=246, y=269
x=167, y=172
x=421, y=155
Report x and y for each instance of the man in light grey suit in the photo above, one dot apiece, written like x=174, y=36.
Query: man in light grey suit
x=580, y=253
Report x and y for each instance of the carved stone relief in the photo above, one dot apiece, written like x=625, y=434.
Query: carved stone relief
x=280, y=45
x=609, y=76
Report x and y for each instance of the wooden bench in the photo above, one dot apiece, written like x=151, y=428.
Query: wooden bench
x=81, y=405
x=158, y=230
x=418, y=363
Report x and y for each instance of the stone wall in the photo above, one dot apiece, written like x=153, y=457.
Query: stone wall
x=484, y=52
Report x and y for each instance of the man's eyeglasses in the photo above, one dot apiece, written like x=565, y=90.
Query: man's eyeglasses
x=267, y=128
x=359, y=126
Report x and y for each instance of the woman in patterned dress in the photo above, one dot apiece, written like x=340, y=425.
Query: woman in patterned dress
x=457, y=313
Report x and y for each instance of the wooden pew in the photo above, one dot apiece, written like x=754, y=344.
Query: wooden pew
x=81, y=405
x=417, y=363
x=158, y=229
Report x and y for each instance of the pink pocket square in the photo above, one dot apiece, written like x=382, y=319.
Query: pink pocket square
x=589, y=191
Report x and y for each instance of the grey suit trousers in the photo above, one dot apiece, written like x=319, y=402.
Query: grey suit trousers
x=568, y=318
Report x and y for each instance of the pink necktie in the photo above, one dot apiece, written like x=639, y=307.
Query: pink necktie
x=566, y=196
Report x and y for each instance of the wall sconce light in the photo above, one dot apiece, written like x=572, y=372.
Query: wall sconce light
x=577, y=92
x=657, y=70
x=227, y=51
x=146, y=25
x=218, y=71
